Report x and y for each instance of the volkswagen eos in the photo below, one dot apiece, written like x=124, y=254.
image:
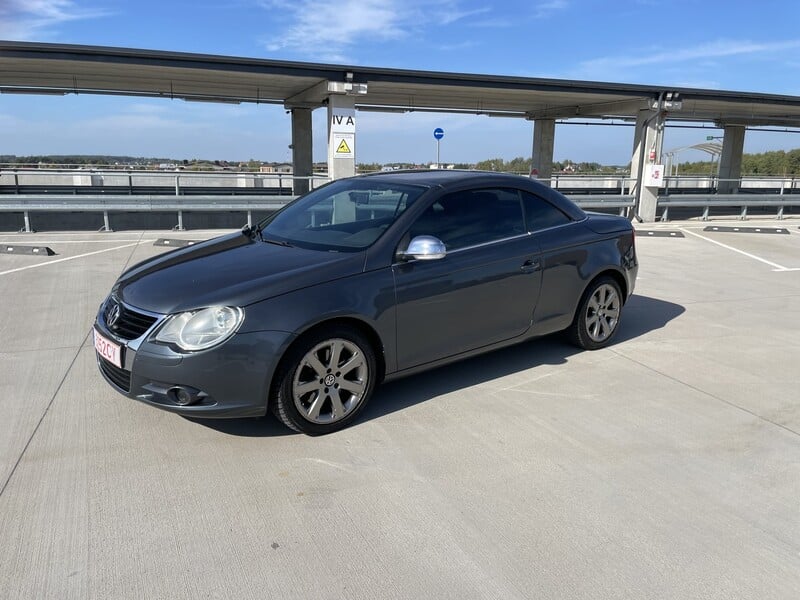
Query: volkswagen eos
x=360, y=281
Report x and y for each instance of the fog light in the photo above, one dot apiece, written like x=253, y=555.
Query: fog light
x=182, y=396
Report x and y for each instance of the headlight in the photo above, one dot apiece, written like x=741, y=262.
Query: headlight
x=200, y=329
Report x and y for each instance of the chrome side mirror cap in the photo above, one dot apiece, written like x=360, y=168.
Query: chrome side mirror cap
x=425, y=247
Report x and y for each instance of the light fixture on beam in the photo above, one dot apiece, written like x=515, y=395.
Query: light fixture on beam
x=211, y=99
x=671, y=101
x=34, y=91
x=382, y=109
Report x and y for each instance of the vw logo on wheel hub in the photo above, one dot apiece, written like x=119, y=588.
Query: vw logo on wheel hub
x=330, y=380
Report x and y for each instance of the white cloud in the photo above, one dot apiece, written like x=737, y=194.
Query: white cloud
x=545, y=9
x=37, y=19
x=331, y=29
x=716, y=49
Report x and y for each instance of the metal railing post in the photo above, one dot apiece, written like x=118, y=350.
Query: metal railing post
x=106, y=222
x=27, y=218
x=179, y=226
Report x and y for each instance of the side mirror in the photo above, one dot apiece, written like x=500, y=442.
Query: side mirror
x=424, y=247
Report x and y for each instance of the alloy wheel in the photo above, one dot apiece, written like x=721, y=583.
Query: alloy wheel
x=330, y=381
x=602, y=313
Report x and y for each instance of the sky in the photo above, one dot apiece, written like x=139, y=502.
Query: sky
x=728, y=45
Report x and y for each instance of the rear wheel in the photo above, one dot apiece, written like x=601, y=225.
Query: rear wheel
x=598, y=316
x=324, y=381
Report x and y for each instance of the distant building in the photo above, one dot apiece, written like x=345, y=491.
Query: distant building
x=275, y=169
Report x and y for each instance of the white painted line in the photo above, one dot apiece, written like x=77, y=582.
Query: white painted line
x=32, y=241
x=60, y=260
x=747, y=254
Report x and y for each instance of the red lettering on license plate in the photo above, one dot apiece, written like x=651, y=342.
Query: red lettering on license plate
x=108, y=349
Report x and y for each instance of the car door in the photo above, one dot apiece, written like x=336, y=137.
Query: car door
x=482, y=292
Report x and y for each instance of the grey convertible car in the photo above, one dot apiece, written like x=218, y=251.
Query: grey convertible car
x=362, y=280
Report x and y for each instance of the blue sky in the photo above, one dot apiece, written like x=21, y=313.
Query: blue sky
x=732, y=45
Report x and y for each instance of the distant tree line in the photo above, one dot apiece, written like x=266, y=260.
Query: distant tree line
x=521, y=164
x=775, y=162
x=78, y=159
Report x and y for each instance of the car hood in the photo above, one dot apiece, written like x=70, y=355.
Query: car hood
x=231, y=270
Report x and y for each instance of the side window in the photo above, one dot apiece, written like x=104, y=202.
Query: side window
x=540, y=214
x=472, y=217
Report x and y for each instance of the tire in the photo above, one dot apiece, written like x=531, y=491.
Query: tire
x=324, y=381
x=598, y=316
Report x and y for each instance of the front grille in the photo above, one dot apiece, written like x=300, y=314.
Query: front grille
x=130, y=324
x=119, y=377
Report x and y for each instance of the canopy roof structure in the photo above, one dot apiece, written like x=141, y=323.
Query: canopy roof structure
x=40, y=68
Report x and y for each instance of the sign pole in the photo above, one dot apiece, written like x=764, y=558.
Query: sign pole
x=438, y=133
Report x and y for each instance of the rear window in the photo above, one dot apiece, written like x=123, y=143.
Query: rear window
x=540, y=214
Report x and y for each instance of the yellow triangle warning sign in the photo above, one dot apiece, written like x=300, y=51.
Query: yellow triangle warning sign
x=343, y=148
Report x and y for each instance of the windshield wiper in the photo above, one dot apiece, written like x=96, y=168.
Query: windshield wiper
x=276, y=242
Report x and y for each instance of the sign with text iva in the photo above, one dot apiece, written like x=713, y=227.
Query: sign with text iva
x=343, y=132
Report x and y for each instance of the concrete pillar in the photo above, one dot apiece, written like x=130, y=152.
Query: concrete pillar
x=544, y=134
x=302, y=155
x=341, y=136
x=647, y=141
x=730, y=162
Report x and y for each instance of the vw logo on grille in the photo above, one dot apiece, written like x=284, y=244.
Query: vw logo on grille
x=112, y=314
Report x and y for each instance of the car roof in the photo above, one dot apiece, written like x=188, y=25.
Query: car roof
x=454, y=178
x=443, y=177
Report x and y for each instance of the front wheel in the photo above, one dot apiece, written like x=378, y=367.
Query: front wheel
x=324, y=381
x=598, y=316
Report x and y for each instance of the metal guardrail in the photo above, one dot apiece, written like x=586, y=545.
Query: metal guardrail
x=142, y=203
x=137, y=182
x=742, y=201
x=611, y=202
x=108, y=203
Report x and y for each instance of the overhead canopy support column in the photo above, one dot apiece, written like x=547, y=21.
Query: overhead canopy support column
x=647, y=143
x=730, y=162
x=302, y=155
x=544, y=133
x=341, y=136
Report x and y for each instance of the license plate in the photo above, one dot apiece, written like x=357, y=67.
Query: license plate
x=107, y=349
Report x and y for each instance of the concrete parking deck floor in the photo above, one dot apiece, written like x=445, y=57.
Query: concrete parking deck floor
x=666, y=466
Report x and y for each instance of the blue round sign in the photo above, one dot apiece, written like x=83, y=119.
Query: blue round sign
x=438, y=133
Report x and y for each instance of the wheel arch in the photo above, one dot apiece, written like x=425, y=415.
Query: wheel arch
x=359, y=325
x=616, y=275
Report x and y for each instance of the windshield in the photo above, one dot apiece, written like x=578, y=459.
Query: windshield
x=344, y=216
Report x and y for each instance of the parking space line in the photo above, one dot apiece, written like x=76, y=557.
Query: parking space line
x=32, y=241
x=60, y=260
x=747, y=254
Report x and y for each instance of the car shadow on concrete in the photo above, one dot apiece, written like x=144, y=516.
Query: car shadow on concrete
x=641, y=315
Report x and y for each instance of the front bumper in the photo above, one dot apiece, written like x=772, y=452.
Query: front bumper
x=232, y=379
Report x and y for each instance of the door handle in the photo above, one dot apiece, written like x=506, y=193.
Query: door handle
x=531, y=265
